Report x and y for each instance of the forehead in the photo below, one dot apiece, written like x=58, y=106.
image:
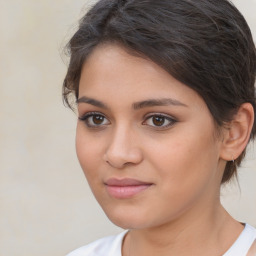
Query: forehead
x=112, y=72
x=107, y=56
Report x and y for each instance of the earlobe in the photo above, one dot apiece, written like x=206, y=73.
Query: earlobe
x=238, y=133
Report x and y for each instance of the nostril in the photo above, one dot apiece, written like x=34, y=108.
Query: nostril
x=116, y=164
x=122, y=163
x=122, y=152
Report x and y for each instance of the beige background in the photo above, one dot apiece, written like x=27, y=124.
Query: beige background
x=46, y=207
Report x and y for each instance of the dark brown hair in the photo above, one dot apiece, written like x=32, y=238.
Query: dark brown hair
x=205, y=44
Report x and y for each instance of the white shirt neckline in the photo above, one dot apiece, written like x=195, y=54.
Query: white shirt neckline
x=239, y=248
x=243, y=243
x=112, y=245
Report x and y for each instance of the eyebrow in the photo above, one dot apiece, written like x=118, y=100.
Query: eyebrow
x=91, y=101
x=157, y=102
x=136, y=105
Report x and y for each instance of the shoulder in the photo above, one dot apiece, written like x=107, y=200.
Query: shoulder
x=107, y=246
x=243, y=243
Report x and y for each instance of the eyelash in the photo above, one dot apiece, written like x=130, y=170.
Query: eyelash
x=86, y=119
x=171, y=121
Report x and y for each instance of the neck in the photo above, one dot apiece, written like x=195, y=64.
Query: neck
x=206, y=231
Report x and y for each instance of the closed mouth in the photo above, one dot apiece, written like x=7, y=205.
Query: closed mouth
x=125, y=188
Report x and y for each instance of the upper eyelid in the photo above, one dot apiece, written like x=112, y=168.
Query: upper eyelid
x=168, y=116
x=91, y=113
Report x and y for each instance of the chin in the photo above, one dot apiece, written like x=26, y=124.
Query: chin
x=127, y=219
x=128, y=223
x=131, y=219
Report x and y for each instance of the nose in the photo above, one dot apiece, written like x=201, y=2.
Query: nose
x=123, y=149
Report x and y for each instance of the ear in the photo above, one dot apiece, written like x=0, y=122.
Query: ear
x=237, y=135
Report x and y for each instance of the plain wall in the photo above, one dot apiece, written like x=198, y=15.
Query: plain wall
x=46, y=207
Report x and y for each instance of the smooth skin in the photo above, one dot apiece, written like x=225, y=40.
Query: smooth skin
x=137, y=121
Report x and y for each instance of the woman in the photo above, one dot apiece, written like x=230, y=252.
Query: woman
x=166, y=107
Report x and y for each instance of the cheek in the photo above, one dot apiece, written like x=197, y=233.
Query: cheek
x=88, y=152
x=185, y=175
x=186, y=161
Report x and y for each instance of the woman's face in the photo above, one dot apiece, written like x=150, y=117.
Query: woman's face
x=146, y=142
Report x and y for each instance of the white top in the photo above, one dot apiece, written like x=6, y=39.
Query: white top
x=111, y=245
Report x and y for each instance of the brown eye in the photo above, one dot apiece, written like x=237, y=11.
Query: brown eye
x=97, y=119
x=94, y=120
x=159, y=121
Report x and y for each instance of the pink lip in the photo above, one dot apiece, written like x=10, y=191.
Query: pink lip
x=125, y=188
